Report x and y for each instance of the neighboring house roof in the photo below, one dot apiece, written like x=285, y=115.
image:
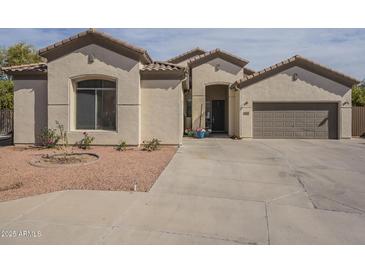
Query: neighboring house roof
x=162, y=70
x=186, y=55
x=28, y=68
x=217, y=53
x=162, y=66
x=92, y=36
x=300, y=62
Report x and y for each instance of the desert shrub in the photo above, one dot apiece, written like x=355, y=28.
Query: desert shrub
x=49, y=138
x=122, y=146
x=151, y=145
x=62, y=134
x=86, y=141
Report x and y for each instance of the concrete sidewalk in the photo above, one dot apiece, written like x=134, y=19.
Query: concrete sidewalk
x=214, y=191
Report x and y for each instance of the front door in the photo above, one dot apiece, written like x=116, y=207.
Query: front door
x=218, y=115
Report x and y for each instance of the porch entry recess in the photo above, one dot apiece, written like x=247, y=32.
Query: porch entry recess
x=216, y=108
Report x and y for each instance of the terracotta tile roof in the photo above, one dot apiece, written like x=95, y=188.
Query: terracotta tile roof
x=300, y=62
x=248, y=71
x=186, y=55
x=162, y=66
x=101, y=35
x=38, y=67
x=217, y=53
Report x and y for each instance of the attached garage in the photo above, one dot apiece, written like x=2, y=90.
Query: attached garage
x=295, y=99
x=295, y=120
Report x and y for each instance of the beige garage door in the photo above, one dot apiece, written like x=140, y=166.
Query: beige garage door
x=295, y=120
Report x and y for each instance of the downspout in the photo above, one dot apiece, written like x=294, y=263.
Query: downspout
x=182, y=121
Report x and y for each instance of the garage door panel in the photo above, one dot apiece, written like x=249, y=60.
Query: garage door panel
x=295, y=120
x=299, y=134
x=289, y=123
x=279, y=115
x=300, y=123
x=267, y=115
x=310, y=115
x=289, y=134
x=321, y=134
x=299, y=114
x=278, y=123
x=267, y=134
x=288, y=115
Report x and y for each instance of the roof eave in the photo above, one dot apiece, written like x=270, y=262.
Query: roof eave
x=217, y=53
x=300, y=62
x=90, y=34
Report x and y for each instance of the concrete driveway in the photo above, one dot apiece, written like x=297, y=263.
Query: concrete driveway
x=214, y=191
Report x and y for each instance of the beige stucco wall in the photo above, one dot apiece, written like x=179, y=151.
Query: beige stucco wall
x=162, y=110
x=107, y=64
x=309, y=87
x=30, y=110
x=205, y=75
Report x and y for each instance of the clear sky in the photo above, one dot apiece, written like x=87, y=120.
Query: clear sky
x=340, y=49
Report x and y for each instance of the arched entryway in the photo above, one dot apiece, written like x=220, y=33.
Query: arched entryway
x=217, y=108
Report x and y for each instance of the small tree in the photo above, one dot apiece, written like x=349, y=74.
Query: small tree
x=63, y=137
x=358, y=96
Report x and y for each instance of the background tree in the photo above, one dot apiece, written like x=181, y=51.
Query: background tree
x=358, y=95
x=18, y=54
x=2, y=56
x=6, y=94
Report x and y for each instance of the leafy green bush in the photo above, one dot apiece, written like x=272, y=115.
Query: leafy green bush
x=49, y=138
x=86, y=141
x=358, y=96
x=6, y=94
x=151, y=145
x=122, y=146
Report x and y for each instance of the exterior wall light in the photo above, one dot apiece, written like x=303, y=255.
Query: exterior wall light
x=90, y=58
x=295, y=76
x=217, y=67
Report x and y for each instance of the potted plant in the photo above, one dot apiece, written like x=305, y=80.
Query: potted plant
x=200, y=133
x=189, y=132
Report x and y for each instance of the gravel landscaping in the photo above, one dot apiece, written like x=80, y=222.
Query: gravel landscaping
x=114, y=170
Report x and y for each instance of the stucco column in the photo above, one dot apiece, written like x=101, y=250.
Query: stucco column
x=245, y=116
x=345, y=118
x=198, y=111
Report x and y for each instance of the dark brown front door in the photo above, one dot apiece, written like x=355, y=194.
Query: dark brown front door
x=218, y=115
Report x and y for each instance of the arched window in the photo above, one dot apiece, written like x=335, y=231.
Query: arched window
x=96, y=105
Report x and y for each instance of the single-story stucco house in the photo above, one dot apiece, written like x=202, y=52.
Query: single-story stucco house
x=96, y=83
